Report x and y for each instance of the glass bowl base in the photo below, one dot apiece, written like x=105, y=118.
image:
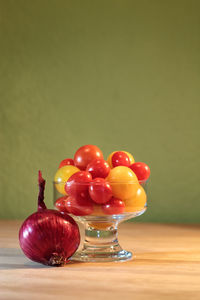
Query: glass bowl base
x=121, y=255
x=100, y=242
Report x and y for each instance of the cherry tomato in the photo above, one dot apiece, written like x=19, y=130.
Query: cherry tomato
x=85, y=154
x=109, y=159
x=60, y=204
x=61, y=177
x=136, y=203
x=100, y=191
x=79, y=206
x=97, y=210
x=78, y=184
x=98, y=168
x=132, y=160
x=66, y=162
x=113, y=207
x=100, y=225
x=141, y=170
x=120, y=158
x=123, y=181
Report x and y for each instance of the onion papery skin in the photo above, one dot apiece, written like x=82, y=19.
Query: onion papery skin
x=49, y=237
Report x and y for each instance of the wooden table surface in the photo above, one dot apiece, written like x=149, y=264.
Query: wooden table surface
x=166, y=266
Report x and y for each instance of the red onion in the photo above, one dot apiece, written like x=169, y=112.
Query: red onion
x=48, y=236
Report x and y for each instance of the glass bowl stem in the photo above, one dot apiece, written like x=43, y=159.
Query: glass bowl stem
x=101, y=244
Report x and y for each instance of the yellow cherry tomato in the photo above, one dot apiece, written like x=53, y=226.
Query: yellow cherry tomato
x=136, y=203
x=61, y=177
x=123, y=181
x=109, y=159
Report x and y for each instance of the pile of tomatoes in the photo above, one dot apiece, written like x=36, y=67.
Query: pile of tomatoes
x=90, y=185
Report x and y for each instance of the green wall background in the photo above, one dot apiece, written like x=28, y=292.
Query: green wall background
x=118, y=74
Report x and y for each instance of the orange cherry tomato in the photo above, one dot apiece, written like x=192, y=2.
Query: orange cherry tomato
x=123, y=181
x=136, y=203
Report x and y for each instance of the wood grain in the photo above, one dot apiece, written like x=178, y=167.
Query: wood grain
x=166, y=266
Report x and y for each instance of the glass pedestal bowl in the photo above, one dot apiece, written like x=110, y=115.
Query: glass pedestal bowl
x=101, y=229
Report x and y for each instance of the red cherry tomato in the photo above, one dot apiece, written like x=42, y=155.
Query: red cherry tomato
x=78, y=184
x=120, y=158
x=79, y=206
x=98, y=168
x=100, y=190
x=113, y=207
x=85, y=154
x=141, y=170
x=66, y=162
x=60, y=204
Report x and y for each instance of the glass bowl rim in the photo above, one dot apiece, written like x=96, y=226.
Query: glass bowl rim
x=99, y=183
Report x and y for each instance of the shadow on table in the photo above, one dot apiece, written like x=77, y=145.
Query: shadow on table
x=13, y=258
